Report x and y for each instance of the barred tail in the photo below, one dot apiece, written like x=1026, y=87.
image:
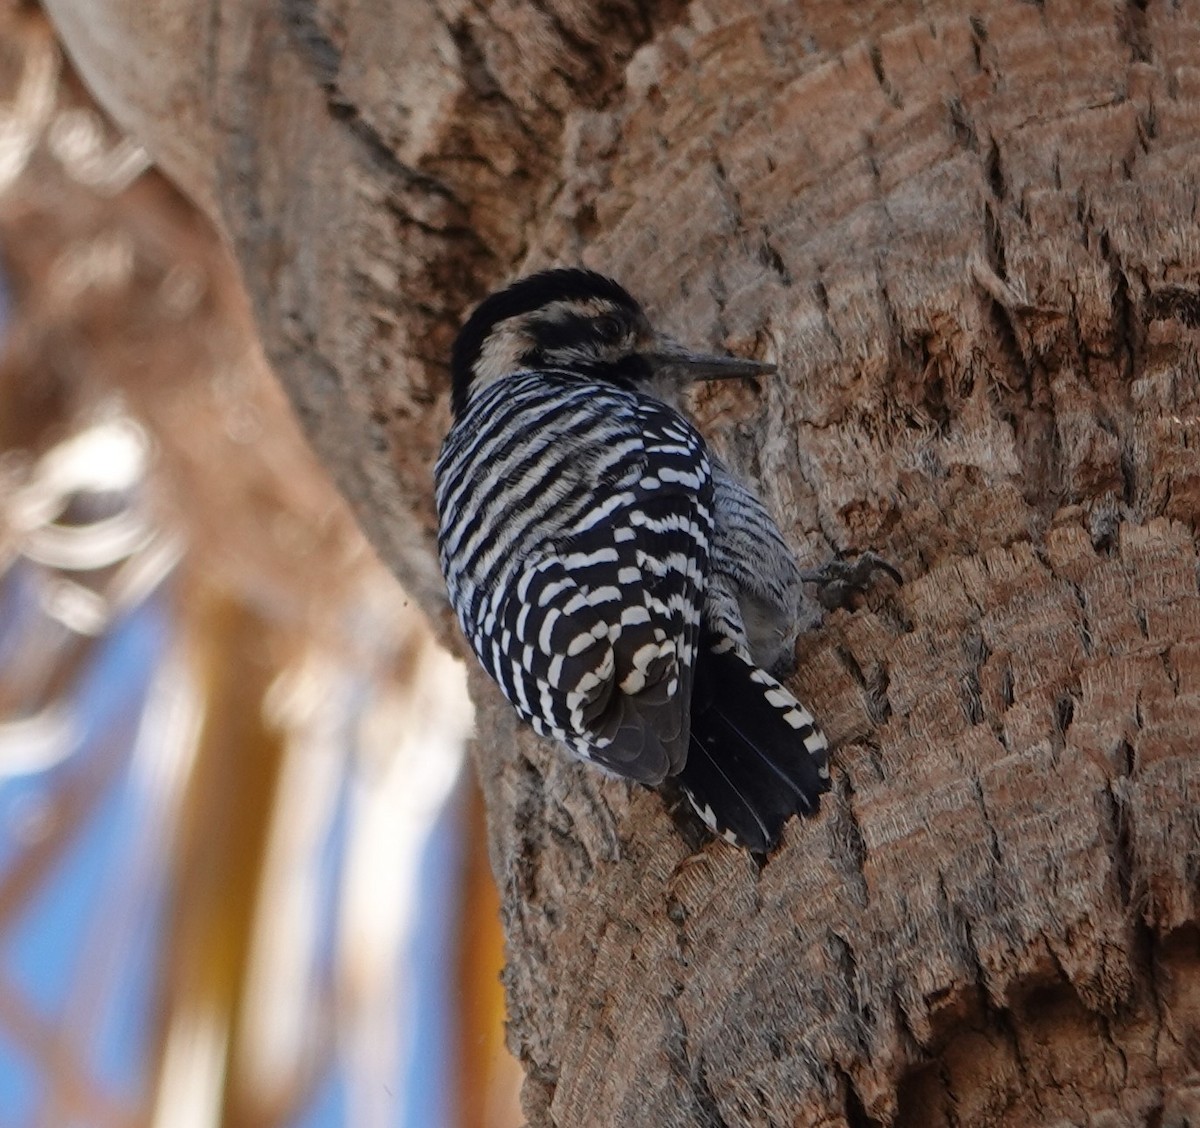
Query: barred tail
x=756, y=756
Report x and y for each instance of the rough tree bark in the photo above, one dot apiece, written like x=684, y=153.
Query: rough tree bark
x=969, y=236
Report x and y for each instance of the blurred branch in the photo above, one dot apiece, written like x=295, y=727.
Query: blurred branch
x=282, y=750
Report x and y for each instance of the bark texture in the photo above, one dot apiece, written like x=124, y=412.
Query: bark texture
x=969, y=236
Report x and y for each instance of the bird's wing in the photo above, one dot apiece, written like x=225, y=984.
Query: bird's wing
x=602, y=626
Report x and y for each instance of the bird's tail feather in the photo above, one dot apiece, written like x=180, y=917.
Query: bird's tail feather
x=756, y=756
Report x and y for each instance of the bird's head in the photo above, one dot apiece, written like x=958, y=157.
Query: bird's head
x=577, y=322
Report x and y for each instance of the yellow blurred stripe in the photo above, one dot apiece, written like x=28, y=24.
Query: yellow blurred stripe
x=490, y=1077
x=220, y=848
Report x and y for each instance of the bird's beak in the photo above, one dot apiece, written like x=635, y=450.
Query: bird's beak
x=671, y=359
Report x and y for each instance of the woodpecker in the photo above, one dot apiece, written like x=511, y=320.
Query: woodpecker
x=628, y=594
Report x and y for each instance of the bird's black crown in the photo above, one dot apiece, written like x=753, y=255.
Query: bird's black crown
x=525, y=296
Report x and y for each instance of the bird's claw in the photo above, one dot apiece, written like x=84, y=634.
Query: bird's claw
x=839, y=582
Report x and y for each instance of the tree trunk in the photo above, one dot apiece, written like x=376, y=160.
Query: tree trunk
x=970, y=240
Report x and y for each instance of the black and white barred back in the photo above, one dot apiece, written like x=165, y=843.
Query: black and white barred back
x=621, y=587
x=586, y=612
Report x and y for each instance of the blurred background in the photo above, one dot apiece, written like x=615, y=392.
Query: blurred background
x=242, y=867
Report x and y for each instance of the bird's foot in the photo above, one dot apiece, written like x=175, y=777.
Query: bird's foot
x=841, y=583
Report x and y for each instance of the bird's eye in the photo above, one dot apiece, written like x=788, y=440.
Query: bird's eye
x=610, y=328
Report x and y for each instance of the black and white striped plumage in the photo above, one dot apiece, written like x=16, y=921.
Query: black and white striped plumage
x=618, y=583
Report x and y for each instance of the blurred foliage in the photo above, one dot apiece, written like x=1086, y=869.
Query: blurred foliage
x=241, y=879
